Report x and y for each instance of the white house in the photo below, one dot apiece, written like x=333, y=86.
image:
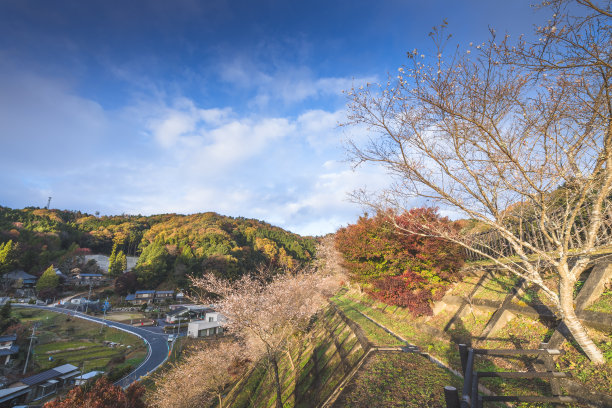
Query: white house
x=211, y=325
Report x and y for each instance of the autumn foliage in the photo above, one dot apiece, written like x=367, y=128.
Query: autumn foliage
x=102, y=394
x=400, y=268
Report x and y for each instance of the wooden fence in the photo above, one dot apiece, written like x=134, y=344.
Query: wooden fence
x=494, y=244
x=470, y=397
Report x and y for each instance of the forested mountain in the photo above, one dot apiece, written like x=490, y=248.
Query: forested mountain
x=171, y=246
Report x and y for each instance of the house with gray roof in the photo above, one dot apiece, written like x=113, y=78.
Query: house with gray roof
x=46, y=383
x=7, y=347
x=13, y=277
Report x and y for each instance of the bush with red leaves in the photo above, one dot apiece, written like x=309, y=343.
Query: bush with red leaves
x=102, y=394
x=408, y=269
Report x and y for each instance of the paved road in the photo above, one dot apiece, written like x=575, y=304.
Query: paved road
x=157, y=343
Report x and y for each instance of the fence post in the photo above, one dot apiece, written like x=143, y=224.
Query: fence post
x=451, y=396
x=463, y=353
x=466, y=397
x=474, y=394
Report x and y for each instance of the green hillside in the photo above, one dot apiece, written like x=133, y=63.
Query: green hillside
x=171, y=246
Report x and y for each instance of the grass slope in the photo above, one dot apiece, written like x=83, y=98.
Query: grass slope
x=396, y=379
x=321, y=361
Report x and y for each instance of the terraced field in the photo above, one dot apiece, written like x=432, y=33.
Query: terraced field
x=61, y=339
x=93, y=356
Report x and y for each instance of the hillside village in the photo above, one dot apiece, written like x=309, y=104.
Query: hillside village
x=479, y=273
x=352, y=335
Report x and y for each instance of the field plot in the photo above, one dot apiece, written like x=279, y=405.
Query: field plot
x=126, y=317
x=61, y=339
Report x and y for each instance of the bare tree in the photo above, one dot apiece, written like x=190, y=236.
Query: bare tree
x=517, y=137
x=329, y=261
x=201, y=377
x=266, y=310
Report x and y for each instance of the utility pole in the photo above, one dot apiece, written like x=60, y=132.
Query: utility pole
x=25, y=367
x=88, y=296
x=48, y=203
x=106, y=305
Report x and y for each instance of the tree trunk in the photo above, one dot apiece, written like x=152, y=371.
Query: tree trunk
x=220, y=400
x=279, y=395
x=568, y=313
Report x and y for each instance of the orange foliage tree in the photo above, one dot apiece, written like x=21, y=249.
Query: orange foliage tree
x=102, y=394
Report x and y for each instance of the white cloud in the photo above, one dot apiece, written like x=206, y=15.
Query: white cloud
x=320, y=127
x=241, y=139
x=288, y=84
x=213, y=139
x=155, y=157
x=175, y=125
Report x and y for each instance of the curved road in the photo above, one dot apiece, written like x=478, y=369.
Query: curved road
x=157, y=343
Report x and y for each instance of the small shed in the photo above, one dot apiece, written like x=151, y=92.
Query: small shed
x=82, y=379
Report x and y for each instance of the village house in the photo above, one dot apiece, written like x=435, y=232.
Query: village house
x=86, y=279
x=7, y=347
x=141, y=297
x=82, y=379
x=211, y=325
x=39, y=386
x=163, y=295
x=12, y=278
x=149, y=296
x=184, y=313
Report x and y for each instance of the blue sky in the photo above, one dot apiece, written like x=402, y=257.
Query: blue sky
x=184, y=106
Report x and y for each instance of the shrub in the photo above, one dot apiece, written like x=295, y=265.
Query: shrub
x=399, y=265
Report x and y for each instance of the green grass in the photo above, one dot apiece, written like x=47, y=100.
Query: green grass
x=401, y=322
x=520, y=332
x=603, y=304
x=395, y=379
x=496, y=287
x=55, y=347
x=375, y=334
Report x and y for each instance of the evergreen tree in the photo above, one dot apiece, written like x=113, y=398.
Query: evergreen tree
x=112, y=260
x=5, y=311
x=117, y=262
x=6, y=320
x=48, y=280
x=119, y=265
x=7, y=256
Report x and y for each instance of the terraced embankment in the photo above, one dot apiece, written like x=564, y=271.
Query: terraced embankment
x=335, y=364
x=311, y=371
